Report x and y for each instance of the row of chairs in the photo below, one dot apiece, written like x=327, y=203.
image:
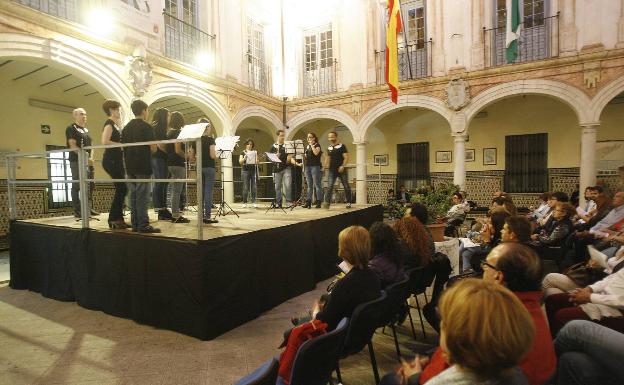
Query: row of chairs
x=318, y=358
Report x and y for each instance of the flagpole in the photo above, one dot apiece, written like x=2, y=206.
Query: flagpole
x=409, y=64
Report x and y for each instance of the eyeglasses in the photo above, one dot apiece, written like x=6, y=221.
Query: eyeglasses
x=484, y=263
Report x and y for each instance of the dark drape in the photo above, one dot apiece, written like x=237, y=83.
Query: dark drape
x=413, y=163
x=526, y=163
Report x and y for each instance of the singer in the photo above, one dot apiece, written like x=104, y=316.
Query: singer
x=313, y=175
x=249, y=163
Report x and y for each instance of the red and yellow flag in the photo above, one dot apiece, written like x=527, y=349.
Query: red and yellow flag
x=392, y=49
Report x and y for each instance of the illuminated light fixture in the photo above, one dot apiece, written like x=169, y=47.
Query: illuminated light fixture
x=204, y=61
x=100, y=21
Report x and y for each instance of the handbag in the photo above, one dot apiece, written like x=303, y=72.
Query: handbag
x=584, y=275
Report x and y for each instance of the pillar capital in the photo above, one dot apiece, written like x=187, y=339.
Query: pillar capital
x=590, y=125
x=459, y=137
x=361, y=143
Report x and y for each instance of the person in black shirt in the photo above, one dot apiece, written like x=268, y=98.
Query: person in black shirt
x=176, y=158
x=313, y=175
x=402, y=195
x=209, y=154
x=337, y=160
x=139, y=165
x=160, y=123
x=77, y=136
x=112, y=161
x=282, y=172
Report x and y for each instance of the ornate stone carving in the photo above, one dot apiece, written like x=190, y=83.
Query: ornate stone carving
x=140, y=74
x=356, y=105
x=231, y=103
x=591, y=74
x=457, y=95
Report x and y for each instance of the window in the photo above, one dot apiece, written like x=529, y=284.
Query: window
x=526, y=162
x=413, y=164
x=58, y=169
x=185, y=10
x=257, y=70
x=65, y=9
x=319, y=63
x=184, y=41
x=414, y=16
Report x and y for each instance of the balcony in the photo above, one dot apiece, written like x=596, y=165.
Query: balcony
x=64, y=9
x=320, y=79
x=539, y=39
x=258, y=74
x=414, y=62
x=188, y=44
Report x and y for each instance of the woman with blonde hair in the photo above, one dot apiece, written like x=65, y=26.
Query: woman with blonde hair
x=485, y=333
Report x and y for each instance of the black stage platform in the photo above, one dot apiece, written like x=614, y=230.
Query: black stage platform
x=199, y=288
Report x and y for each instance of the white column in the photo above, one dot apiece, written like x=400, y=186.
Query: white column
x=588, y=158
x=360, y=174
x=459, y=171
x=620, y=43
x=568, y=30
x=228, y=177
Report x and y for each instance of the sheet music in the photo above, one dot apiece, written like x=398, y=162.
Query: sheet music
x=273, y=157
x=192, y=131
x=226, y=143
x=251, y=156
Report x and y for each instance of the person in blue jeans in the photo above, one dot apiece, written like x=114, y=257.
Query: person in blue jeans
x=282, y=172
x=209, y=154
x=338, y=158
x=589, y=354
x=313, y=154
x=248, y=160
x=160, y=124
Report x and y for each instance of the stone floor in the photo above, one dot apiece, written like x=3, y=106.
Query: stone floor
x=4, y=266
x=44, y=341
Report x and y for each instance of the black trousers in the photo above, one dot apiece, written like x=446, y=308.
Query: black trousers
x=115, y=168
x=75, y=189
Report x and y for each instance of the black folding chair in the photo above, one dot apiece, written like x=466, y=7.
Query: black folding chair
x=396, y=307
x=418, y=281
x=265, y=374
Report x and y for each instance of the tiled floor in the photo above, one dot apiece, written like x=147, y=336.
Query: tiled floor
x=44, y=341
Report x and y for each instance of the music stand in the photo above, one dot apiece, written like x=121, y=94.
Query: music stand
x=275, y=159
x=191, y=132
x=224, y=148
x=297, y=149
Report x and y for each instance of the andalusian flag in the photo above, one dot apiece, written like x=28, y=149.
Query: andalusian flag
x=392, y=49
x=514, y=26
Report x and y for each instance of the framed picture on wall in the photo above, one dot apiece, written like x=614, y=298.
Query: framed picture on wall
x=380, y=160
x=444, y=156
x=470, y=155
x=489, y=156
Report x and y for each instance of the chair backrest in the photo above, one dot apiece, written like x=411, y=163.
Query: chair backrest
x=416, y=278
x=364, y=322
x=316, y=359
x=265, y=374
x=395, y=301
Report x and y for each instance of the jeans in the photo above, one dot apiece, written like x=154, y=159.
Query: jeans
x=139, y=198
x=313, y=179
x=115, y=168
x=177, y=172
x=208, y=179
x=75, y=189
x=249, y=184
x=159, y=194
x=331, y=179
x=589, y=354
x=283, y=176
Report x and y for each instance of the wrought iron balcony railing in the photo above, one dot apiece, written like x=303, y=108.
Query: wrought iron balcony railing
x=258, y=74
x=414, y=61
x=319, y=80
x=65, y=9
x=186, y=43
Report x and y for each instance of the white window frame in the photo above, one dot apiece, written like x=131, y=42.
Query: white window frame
x=319, y=76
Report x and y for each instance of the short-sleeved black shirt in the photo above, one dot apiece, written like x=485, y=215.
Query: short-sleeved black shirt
x=207, y=141
x=281, y=151
x=160, y=134
x=138, y=159
x=310, y=158
x=80, y=135
x=335, y=155
x=173, y=159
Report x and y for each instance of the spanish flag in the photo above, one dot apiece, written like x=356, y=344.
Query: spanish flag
x=392, y=54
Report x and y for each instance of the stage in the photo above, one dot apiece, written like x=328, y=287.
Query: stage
x=243, y=267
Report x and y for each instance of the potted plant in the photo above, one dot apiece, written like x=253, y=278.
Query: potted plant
x=438, y=202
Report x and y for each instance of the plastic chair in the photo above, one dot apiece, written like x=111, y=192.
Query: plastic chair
x=316, y=359
x=265, y=374
x=396, y=306
x=364, y=322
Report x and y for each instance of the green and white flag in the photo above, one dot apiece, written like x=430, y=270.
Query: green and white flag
x=513, y=29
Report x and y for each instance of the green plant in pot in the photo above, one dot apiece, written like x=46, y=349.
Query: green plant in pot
x=438, y=202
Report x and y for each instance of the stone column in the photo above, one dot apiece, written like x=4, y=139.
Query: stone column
x=476, y=50
x=360, y=174
x=459, y=170
x=228, y=178
x=620, y=42
x=569, y=31
x=587, y=172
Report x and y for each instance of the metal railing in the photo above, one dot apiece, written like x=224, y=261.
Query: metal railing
x=319, y=80
x=258, y=75
x=414, y=62
x=539, y=39
x=64, y=9
x=186, y=43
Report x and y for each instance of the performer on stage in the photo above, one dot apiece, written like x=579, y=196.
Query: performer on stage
x=112, y=161
x=139, y=165
x=282, y=172
x=335, y=163
x=209, y=154
x=77, y=136
x=248, y=160
x=313, y=174
x=176, y=158
x=160, y=123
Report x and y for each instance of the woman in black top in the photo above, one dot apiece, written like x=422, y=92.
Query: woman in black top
x=162, y=119
x=313, y=175
x=112, y=162
x=209, y=154
x=176, y=158
x=248, y=160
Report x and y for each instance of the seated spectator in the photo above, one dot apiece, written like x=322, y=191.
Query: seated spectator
x=516, y=229
x=490, y=238
x=465, y=201
x=589, y=208
x=359, y=285
x=519, y=269
x=557, y=230
x=455, y=215
x=486, y=332
x=589, y=354
x=386, y=261
x=602, y=208
x=542, y=208
x=601, y=302
x=402, y=195
x=415, y=242
x=556, y=197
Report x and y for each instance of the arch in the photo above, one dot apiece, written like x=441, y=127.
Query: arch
x=604, y=96
x=569, y=95
x=320, y=113
x=190, y=92
x=100, y=75
x=256, y=112
x=386, y=107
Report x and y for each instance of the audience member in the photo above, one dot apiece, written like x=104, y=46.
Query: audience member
x=386, y=261
x=403, y=195
x=516, y=229
x=455, y=215
x=490, y=238
x=556, y=230
x=602, y=208
x=415, y=242
x=542, y=209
